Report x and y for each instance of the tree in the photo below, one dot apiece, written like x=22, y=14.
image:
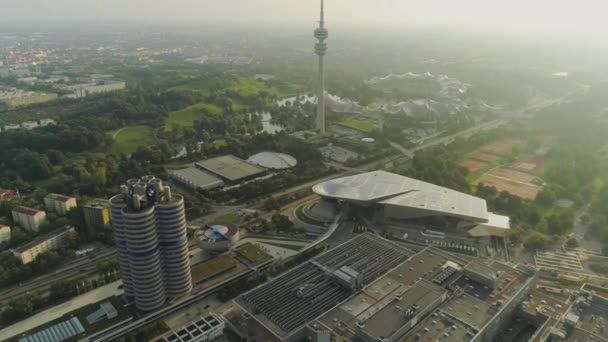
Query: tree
x=572, y=242
x=272, y=204
x=536, y=240
x=281, y=222
x=546, y=197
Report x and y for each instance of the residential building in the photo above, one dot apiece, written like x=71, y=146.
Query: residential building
x=28, y=218
x=18, y=99
x=59, y=204
x=97, y=217
x=7, y=195
x=52, y=241
x=5, y=233
x=151, y=237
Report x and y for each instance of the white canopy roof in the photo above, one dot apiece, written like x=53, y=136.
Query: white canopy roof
x=392, y=189
x=497, y=225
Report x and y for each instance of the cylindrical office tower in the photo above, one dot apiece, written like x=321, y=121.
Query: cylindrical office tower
x=144, y=258
x=173, y=239
x=120, y=237
x=152, y=242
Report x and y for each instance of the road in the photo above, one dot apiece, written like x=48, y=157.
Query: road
x=77, y=268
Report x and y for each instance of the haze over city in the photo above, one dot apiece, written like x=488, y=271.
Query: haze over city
x=538, y=16
x=289, y=171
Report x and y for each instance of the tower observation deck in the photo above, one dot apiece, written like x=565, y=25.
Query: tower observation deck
x=321, y=35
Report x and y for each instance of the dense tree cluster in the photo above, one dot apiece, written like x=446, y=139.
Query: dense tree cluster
x=438, y=165
x=13, y=272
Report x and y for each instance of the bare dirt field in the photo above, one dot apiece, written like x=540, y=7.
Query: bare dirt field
x=529, y=164
x=522, y=190
x=472, y=165
x=502, y=146
x=487, y=157
x=512, y=175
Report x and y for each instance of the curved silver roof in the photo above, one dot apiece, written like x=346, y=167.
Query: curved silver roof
x=273, y=160
x=396, y=190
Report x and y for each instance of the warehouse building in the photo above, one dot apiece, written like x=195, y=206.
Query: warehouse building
x=196, y=179
x=231, y=169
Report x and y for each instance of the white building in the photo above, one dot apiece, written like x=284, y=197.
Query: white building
x=59, y=204
x=28, y=218
x=86, y=89
x=52, y=241
x=395, y=197
x=5, y=233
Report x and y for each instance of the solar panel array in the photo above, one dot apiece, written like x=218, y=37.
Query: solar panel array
x=56, y=333
x=309, y=290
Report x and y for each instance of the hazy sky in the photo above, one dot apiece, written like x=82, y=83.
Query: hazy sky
x=578, y=16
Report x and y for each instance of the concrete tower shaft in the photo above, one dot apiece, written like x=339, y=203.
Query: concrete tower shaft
x=321, y=34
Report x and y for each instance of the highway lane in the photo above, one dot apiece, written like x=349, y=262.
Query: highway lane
x=74, y=269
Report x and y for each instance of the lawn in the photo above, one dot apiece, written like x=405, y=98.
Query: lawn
x=362, y=124
x=252, y=253
x=249, y=87
x=228, y=219
x=127, y=139
x=186, y=116
x=290, y=89
x=198, y=86
x=211, y=268
x=219, y=142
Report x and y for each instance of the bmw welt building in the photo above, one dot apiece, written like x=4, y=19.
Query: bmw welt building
x=399, y=198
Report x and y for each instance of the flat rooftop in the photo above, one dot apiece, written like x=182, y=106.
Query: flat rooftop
x=545, y=304
x=385, y=322
x=439, y=327
x=27, y=211
x=231, y=168
x=196, y=178
x=424, y=265
x=482, y=269
x=97, y=204
x=470, y=310
x=302, y=294
x=58, y=197
x=579, y=335
x=42, y=238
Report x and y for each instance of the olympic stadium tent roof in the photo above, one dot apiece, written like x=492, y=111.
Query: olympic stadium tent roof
x=273, y=160
x=395, y=190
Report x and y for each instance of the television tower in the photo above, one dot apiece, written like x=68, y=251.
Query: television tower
x=321, y=34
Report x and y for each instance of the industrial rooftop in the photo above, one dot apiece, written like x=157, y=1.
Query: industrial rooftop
x=196, y=178
x=304, y=293
x=231, y=168
x=372, y=289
